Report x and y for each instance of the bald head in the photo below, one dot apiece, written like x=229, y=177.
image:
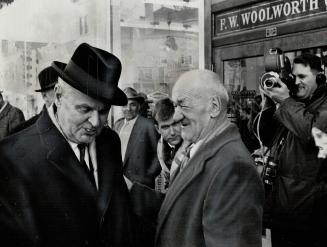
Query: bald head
x=201, y=103
x=202, y=83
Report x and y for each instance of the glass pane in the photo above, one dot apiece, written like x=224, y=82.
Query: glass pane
x=159, y=41
x=156, y=40
x=241, y=77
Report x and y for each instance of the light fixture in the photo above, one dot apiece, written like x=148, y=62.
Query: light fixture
x=170, y=42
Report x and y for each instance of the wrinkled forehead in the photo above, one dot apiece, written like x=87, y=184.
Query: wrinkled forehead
x=186, y=94
x=299, y=68
x=189, y=84
x=78, y=98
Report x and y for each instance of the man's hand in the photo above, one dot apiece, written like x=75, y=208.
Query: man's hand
x=277, y=94
x=320, y=138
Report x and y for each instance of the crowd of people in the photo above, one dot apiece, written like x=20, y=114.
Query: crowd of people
x=180, y=178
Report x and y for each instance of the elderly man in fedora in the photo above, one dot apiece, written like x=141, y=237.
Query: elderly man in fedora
x=139, y=139
x=48, y=77
x=61, y=179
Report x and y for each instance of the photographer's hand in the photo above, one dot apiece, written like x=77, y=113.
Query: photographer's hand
x=278, y=94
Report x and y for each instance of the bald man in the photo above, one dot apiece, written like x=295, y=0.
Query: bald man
x=216, y=195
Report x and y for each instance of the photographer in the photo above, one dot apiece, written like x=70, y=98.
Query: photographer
x=297, y=202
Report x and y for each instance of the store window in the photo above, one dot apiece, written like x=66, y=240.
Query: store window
x=241, y=78
x=156, y=40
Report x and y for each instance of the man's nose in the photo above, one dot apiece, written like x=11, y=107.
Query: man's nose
x=178, y=116
x=297, y=81
x=94, y=119
x=172, y=130
x=129, y=107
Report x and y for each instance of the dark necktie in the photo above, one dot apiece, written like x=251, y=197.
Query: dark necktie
x=89, y=170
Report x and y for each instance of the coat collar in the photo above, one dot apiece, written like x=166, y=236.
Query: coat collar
x=60, y=154
x=5, y=110
x=194, y=169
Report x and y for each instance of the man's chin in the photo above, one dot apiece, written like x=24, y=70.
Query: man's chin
x=87, y=138
x=174, y=142
x=187, y=137
x=300, y=96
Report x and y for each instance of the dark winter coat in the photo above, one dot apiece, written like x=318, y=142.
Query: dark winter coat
x=216, y=200
x=46, y=199
x=299, y=197
x=141, y=163
x=10, y=117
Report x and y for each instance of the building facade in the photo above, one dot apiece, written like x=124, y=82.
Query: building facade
x=244, y=31
x=156, y=41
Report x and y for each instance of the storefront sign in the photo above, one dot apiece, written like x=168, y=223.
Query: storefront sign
x=270, y=13
x=244, y=94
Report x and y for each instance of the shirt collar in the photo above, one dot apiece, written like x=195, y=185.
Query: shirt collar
x=132, y=121
x=3, y=107
x=194, y=147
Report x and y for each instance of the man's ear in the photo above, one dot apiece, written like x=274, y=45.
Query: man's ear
x=157, y=128
x=215, y=107
x=58, y=95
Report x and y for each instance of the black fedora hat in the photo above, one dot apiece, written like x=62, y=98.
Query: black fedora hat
x=131, y=93
x=94, y=72
x=48, y=78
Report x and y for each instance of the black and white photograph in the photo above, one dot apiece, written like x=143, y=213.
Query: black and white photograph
x=163, y=123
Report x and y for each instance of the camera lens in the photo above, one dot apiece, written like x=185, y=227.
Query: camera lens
x=269, y=83
x=269, y=80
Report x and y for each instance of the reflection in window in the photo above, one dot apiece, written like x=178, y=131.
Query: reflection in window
x=156, y=41
x=162, y=37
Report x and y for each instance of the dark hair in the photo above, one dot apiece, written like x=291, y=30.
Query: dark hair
x=163, y=110
x=309, y=59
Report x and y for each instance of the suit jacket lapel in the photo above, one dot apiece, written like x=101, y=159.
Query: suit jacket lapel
x=134, y=138
x=61, y=155
x=4, y=112
x=189, y=173
x=106, y=166
x=192, y=170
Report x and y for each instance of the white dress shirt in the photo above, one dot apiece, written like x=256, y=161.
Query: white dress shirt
x=3, y=107
x=124, y=134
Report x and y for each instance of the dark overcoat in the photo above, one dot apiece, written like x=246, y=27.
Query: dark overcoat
x=141, y=163
x=10, y=117
x=216, y=200
x=45, y=196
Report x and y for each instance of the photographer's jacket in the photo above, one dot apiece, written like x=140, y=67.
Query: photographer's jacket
x=300, y=190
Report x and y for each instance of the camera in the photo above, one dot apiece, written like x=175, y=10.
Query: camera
x=267, y=168
x=277, y=66
x=269, y=171
x=269, y=79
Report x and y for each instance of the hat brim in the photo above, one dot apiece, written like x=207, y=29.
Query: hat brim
x=138, y=98
x=117, y=97
x=46, y=88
